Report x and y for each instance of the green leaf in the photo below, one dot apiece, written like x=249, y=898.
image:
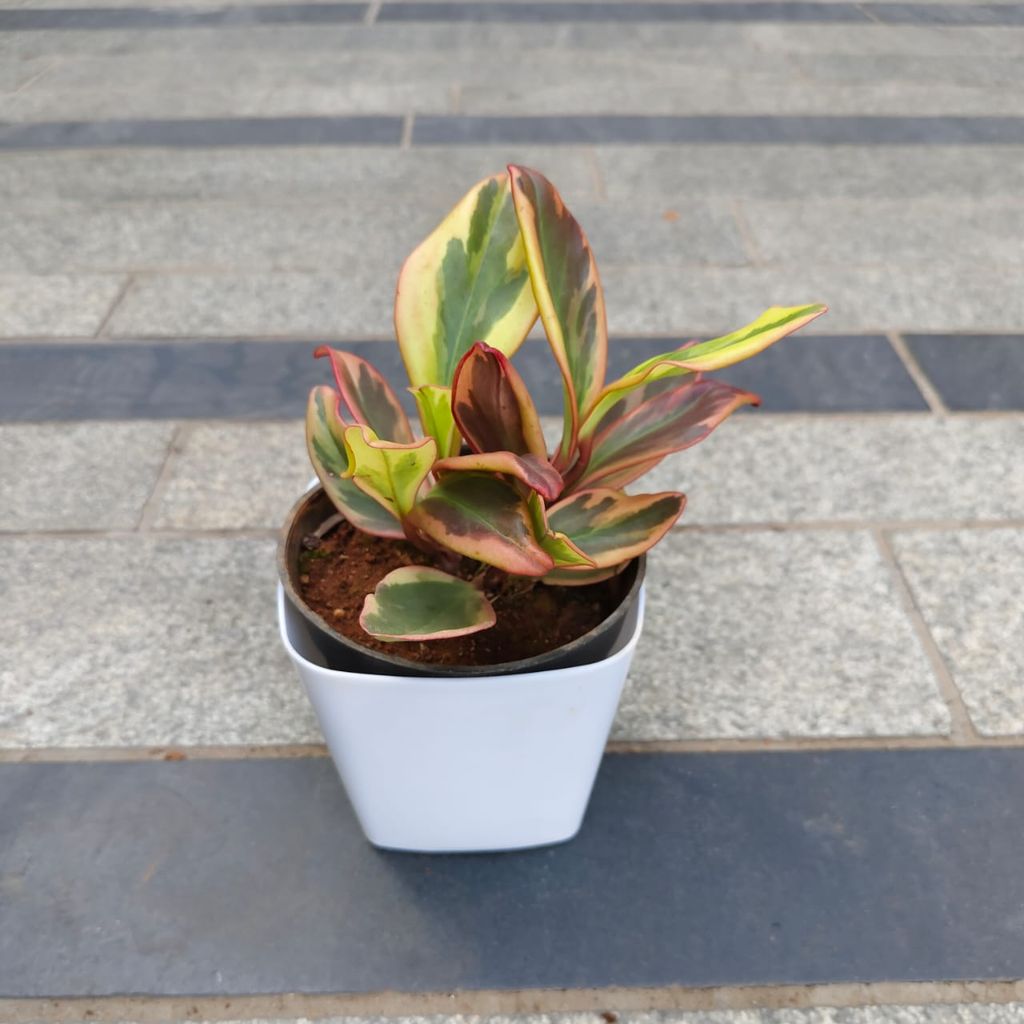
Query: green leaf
x=416, y=602
x=492, y=407
x=581, y=577
x=435, y=407
x=325, y=440
x=563, y=552
x=612, y=527
x=389, y=473
x=568, y=292
x=680, y=413
x=368, y=395
x=467, y=282
x=771, y=326
x=538, y=474
x=483, y=517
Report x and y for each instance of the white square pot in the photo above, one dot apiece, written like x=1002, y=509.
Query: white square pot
x=439, y=764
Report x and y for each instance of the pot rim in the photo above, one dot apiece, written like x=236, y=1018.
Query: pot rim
x=416, y=669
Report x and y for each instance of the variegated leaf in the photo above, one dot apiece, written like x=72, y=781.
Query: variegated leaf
x=390, y=473
x=612, y=527
x=416, y=602
x=368, y=396
x=568, y=292
x=492, y=407
x=483, y=517
x=538, y=474
x=435, y=407
x=675, y=418
x=557, y=545
x=581, y=577
x=325, y=439
x=771, y=326
x=467, y=282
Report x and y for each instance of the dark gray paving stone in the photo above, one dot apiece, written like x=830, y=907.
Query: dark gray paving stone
x=973, y=371
x=107, y=18
x=237, y=877
x=946, y=14
x=270, y=379
x=627, y=129
x=201, y=132
x=769, y=11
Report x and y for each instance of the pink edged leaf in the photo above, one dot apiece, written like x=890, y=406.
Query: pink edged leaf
x=538, y=474
x=492, y=407
x=557, y=545
x=388, y=472
x=417, y=602
x=325, y=439
x=581, y=577
x=612, y=527
x=695, y=357
x=368, y=396
x=568, y=291
x=677, y=417
x=481, y=516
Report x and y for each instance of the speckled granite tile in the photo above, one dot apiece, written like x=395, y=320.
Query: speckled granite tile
x=55, y=305
x=776, y=634
x=235, y=476
x=762, y=468
x=968, y=587
x=142, y=641
x=78, y=476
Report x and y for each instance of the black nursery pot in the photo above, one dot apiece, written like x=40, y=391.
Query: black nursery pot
x=338, y=652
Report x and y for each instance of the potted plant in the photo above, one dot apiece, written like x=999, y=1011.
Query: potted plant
x=463, y=605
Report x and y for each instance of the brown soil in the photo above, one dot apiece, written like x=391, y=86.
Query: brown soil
x=338, y=571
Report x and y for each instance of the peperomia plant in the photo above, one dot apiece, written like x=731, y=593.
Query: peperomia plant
x=480, y=483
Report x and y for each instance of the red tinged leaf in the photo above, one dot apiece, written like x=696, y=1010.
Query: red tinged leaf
x=492, y=407
x=538, y=474
x=368, y=396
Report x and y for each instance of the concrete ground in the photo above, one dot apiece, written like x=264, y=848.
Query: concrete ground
x=848, y=573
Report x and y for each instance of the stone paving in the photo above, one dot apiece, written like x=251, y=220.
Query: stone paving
x=230, y=180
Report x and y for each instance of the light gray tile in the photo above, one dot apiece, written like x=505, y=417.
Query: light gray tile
x=144, y=641
x=432, y=177
x=776, y=634
x=951, y=294
x=884, y=231
x=806, y=172
x=760, y=468
x=235, y=476
x=968, y=587
x=42, y=238
x=951, y=69
x=56, y=304
x=357, y=302
x=78, y=476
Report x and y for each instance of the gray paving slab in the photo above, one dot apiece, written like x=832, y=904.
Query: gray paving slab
x=951, y=69
x=211, y=484
x=763, y=468
x=141, y=641
x=350, y=130
x=981, y=372
x=776, y=634
x=901, y=231
x=805, y=172
x=79, y=476
x=434, y=179
x=967, y=585
x=356, y=301
x=47, y=238
x=60, y=305
x=870, y=865
x=29, y=19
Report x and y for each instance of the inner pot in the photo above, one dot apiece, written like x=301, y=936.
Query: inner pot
x=342, y=653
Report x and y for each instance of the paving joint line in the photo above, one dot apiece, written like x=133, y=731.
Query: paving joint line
x=928, y=390
x=747, y=236
x=372, y=12
x=407, y=126
x=100, y=331
x=153, y=1009
x=151, y=506
x=963, y=731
